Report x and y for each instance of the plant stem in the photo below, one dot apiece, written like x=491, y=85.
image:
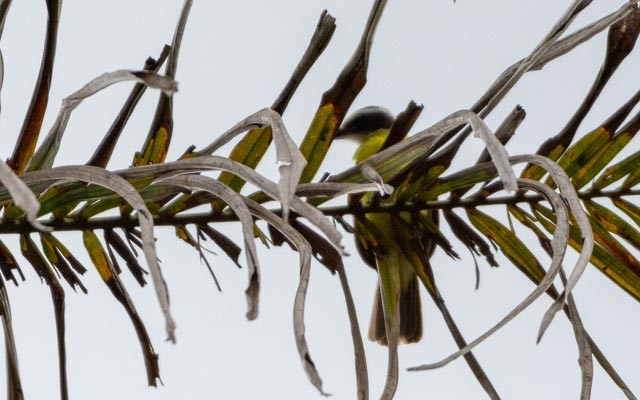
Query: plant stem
x=208, y=217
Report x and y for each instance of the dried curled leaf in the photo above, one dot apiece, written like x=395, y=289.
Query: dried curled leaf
x=46, y=153
x=558, y=244
x=105, y=268
x=124, y=189
x=304, y=250
x=204, y=163
x=396, y=159
x=236, y=203
x=291, y=160
x=21, y=195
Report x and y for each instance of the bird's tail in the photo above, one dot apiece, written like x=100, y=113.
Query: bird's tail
x=410, y=316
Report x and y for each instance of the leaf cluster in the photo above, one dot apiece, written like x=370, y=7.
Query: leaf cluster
x=409, y=177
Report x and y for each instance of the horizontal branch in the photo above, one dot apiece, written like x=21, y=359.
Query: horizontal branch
x=113, y=222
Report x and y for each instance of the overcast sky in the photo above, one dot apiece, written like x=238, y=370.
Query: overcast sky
x=236, y=56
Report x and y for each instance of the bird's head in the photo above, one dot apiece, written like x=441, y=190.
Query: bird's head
x=369, y=127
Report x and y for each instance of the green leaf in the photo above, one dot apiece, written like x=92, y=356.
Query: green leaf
x=582, y=152
x=512, y=247
x=616, y=270
x=97, y=254
x=633, y=179
x=428, y=224
x=628, y=208
x=528, y=220
x=103, y=265
x=617, y=171
x=316, y=143
x=249, y=151
x=464, y=179
x=613, y=223
x=601, y=159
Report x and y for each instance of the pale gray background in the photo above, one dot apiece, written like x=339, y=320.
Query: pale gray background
x=235, y=58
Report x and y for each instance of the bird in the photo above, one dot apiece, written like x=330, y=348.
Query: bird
x=378, y=240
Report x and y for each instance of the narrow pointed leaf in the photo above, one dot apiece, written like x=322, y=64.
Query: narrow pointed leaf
x=613, y=268
x=428, y=225
x=103, y=266
x=337, y=189
x=337, y=100
x=64, y=252
x=114, y=241
x=114, y=182
x=230, y=248
x=250, y=150
x=26, y=143
x=57, y=261
x=463, y=180
x=630, y=209
x=158, y=139
x=529, y=221
x=14, y=384
x=510, y=245
x=236, y=203
x=291, y=161
x=103, y=152
x=304, y=250
x=8, y=263
x=48, y=149
x=362, y=377
x=327, y=255
x=617, y=171
x=614, y=224
x=469, y=237
x=611, y=244
x=44, y=270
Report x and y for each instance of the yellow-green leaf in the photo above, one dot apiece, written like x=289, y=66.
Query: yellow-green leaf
x=462, y=179
x=249, y=151
x=527, y=220
x=613, y=223
x=316, y=143
x=413, y=186
x=97, y=254
x=633, y=179
x=628, y=208
x=536, y=172
x=618, y=171
x=581, y=152
x=612, y=267
x=512, y=247
x=598, y=161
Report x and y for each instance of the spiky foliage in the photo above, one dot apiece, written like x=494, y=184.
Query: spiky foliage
x=411, y=177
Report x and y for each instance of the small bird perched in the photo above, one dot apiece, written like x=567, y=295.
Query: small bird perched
x=381, y=247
